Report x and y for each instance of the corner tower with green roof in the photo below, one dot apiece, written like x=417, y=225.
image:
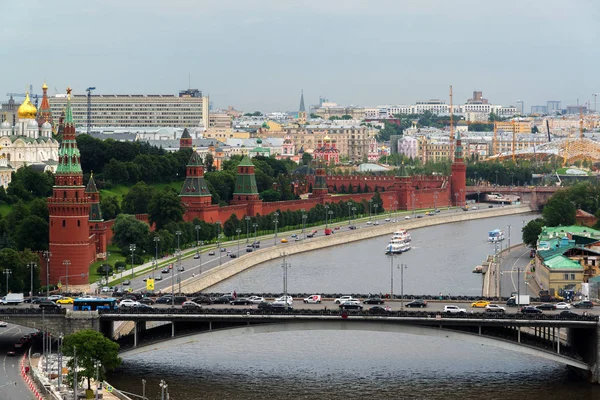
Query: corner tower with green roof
x=194, y=192
x=92, y=191
x=70, y=242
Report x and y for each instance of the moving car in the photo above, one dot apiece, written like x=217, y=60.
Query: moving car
x=127, y=282
x=203, y=299
x=3, y=324
x=223, y=249
x=374, y=300
x=344, y=298
x=146, y=300
x=249, y=250
x=256, y=299
x=313, y=299
x=380, y=310
x=165, y=271
x=352, y=227
x=480, y=304
x=546, y=306
x=65, y=300
x=494, y=308
x=451, y=309
x=563, y=306
x=530, y=310
x=273, y=306
x=233, y=255
x=196, y=256
x=127, y=303
x=284, y=240
x=190, y=305
x=583, y=304
x=282, y=300
x=241, y=301
x=54, y=297
x=181, y=269
x=568, y=314
x=158, y=278
x=211, y=253
x=225, y=299
x=351, y=305
x=49, y=305
x=420, y=303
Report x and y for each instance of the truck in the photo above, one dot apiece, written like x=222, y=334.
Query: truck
x=523, y=300
x=548, y=297
x=14, y=298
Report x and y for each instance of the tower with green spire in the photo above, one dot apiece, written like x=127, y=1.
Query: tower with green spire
x=302, y=110
x=458, y=179
x=246, y=191
x=194, y=192
x=69, y=213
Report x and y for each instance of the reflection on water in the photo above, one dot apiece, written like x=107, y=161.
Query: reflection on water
x=347, y=365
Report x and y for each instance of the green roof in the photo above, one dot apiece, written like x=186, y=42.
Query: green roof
x=68, y=112
x=549, y=232
x=91, y=186
x=245, y=162
x=555, y=252
x=562, y=262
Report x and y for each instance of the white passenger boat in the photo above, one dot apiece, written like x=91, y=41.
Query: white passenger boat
x=402, y=234
x=496, y=235
x=397, y=246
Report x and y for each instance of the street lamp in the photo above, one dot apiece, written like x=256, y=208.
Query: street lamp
x=218, y=236
x=132, y=250
x=201, y=243
x=156, y=240
x=163, y=387
x=97, y=365
x=395, y=208
x=512, y=179
x=238, y=231
x=247, y=218
x=390, y=210
x=456, y=198
x=178, y=234
x=475, y=178
x=31, y=265
x=66, y=263
x=375, y=207
x=353, y=213
x=509, y=236
x=349, y=208
x=413, y=202
x=275, y=221
x=304, y=217
x=435, y=196
x=7, y=272
x=197, y=228
x=326, y=213
x=478, y=192
x=496, y=178
x=370, y=203
x=47, y=256
x=285, y=265
x=330, y=212
x=461, y=196
x=255, y=225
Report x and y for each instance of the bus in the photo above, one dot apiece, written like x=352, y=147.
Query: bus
x=82, y=304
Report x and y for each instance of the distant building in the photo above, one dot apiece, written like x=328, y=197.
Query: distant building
x=539, y=110
x=553, y=106
x=576, y=109
x=125, y=110
x=477, y=98
x=219, y=120
x=408, y=146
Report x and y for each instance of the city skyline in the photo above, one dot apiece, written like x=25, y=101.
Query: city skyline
x=259, y=55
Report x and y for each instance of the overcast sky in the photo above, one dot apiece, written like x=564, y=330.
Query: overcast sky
x=259, y=54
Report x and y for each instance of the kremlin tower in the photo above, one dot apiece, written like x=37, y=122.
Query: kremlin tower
x=458, y=179
x=185, y=141
x=45, y=113
x=69, y=211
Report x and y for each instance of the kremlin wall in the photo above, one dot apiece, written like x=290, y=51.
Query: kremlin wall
x=79, y=235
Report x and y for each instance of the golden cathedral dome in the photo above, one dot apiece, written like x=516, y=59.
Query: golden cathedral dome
x=326, y=138
x=27, y=110
x=44, y=86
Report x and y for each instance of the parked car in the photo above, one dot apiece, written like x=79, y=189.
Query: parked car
x=190, y=305
x=203, y=300
x=225, y=299
x=374, y=300
x=351, y=305
x=583, y=304
x=420, y=303
x=568, y=314
x=244, y=301
x=480, y=304
x=451, y=309
x=491, y=308
x=65, y=300
x=256, y=299
x=380, y=310
x=546, y=306
x=530, y=310
x=146, y=300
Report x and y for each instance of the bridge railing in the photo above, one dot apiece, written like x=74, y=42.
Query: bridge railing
x=32, y=311
x=337, y=312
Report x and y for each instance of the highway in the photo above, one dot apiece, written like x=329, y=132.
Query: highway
x=11, y=372
x=194, y=267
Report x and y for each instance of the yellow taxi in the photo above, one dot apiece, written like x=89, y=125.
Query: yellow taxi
x=65, y=300
x=283, y=240
x=480, y=303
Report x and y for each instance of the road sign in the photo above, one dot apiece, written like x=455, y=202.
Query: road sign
x=150, y=284
x=109, y=388
x=59, y=285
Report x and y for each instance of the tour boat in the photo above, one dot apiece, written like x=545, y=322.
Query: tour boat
x=397, y=246
x=402, y=234
x=496, y=235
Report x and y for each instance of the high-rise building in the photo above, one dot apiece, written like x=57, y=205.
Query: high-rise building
x=132, y=110
x=553, y=106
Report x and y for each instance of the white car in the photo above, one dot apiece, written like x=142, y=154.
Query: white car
x=3, y=324
x=281, y=300
x=563, y=306
x=376, y=223
x=344, y=298
x=313, y=299
x=105, y=289
x=369, y=222
x=126, y=303
x=387, y=220
x=407, y=217
x=54, y=297
x=256, y=299
x=450, y=309
x=495, y=308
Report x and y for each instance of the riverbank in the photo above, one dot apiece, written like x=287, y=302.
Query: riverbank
x=238, y=265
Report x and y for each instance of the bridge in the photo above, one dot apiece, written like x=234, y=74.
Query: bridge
x=536, y=196
x=572, y=341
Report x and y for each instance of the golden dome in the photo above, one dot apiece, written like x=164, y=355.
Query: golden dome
x=27, y=110
x=326, y=138
x=44, y=86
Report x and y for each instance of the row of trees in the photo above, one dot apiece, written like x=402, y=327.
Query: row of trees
x=128, y=230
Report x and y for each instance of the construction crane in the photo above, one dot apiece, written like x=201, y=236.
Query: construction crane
x=548, y=129
x=89, y=108
x=580, y=123
x=32, y=96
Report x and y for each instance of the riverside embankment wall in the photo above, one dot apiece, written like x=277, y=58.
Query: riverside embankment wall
x=237, y=265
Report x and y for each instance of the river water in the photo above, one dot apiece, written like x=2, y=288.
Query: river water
x=353, y=364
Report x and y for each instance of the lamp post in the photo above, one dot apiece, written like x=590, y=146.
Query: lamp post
x=304, y=217
x=201, y=243
x=218, y=237
x=497, y=178
x=255, y=225
x=478, y=192
x=375, y=207
x=390, y=209
x=353, y=213
x=456, y=198
x=178, y=234
x=349, y=209
x=275, y=221
x=435, y=196
x=59, y=355
x=163, y=386
x=512, y=179
x=326, y=213
x=391, y=275
x=395, y=209
x=509, y=236
x=31, y=265
x=461, y=196
x=97, y=365
x=197, y=228
x=402, y=267
x=285, y=265
x=132, y=250
x=370, y=204
x=413, y=202
x=475, y=178
x=47, y=256
x=66, y=263
x=330, y=212
x=238, y=231
x=247, y=218
x=156, y=240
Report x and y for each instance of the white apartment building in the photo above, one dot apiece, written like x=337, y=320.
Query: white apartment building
x=125, y=110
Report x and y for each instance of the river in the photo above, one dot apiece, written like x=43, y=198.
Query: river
x=353, y=364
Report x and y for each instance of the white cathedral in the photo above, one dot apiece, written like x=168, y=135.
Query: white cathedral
x=26, y=143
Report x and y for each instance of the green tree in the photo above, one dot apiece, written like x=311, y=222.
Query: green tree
x=531, y=231
x=110, y=207
x=90, y=347
x=270, y=195
x=314, y=116
x=164, y=207
x=128, y=230
x=209, y=163
x=306, y=158
x=136, y=200
x=32, y=233
x=559, y=210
